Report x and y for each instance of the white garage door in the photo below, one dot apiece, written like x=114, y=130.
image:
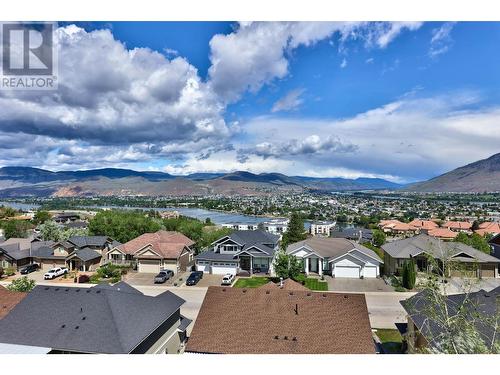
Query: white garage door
x=149, y=266
x=370, y=272
x=343, y=271
x=222, y=269
x=203, y=267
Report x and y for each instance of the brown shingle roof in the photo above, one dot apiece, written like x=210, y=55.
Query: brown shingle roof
x=167, y=244
x=260, y=321
x=288, y=284
x=8, y=300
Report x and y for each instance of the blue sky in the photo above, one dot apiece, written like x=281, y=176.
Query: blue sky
x=401, y=101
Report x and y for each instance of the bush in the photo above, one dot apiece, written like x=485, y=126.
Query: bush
x=83, y=279
x=9, y=271
x=409, y=274
x=94, y=279
x=22, y=284
x=300, y=278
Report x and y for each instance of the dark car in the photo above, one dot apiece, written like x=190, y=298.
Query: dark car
x=194, y=278
x=29, y=268
x=163, y=276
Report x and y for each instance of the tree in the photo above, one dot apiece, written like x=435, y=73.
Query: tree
x=409, y=274
x=475, y=240
x=50, y=231
x=15, y=229
x=41, y=217
x=22, y=284
x=287, y=266
x=295, y=231
x=123, y=225
x=378, y=238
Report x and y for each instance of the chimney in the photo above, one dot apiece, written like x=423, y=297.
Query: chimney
x=281, y=282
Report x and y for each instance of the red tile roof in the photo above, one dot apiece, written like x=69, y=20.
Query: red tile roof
x=276, y=321
x=488, y=228
x=423, y=224
x=167, y=244
x=443, y=233
x=8, y=300
x=464, y=225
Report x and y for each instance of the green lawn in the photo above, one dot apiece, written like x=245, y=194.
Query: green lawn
x=250, y=282
x=315, y=284
x=391, y=340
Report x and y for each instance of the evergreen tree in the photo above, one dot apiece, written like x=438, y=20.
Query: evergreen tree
x=295, y=231
x=409, y=274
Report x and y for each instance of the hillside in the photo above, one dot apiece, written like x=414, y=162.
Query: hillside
x=477, y=177
x=25, y=181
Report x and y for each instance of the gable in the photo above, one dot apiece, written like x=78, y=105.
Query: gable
x=302, y=252
x=147, y=251
x=365, y=258
x=348, y=260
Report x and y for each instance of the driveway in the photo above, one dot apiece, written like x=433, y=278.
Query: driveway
x=339, y=284
x=147, y=279
x=210, y=280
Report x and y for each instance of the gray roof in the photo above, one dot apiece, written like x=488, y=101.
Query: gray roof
x=211, y=255
x=89, y=320
x=254, y=236
x=85, y=254
x=83, y=241
x=328, y=247
x=429, y=318
x=14, y=251
x=423, y=243
x=353, y=234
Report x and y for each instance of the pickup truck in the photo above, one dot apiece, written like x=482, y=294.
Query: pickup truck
x=55, y=272
x=163, y=276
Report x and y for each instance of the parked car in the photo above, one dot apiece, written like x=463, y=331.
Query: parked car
x=55, y=272
x=228, y=279
x=194, y=278
x=29, y=268
x=163, y=276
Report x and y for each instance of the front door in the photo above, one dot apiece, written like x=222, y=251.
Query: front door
x=245, y=263
x=313, y=265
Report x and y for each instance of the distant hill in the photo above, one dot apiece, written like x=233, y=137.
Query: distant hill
x=26, y=181
x=477, y=177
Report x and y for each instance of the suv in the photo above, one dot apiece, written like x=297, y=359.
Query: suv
x=227, y=279
x=163, y=276
x=29, y=268
x=55, y=272
x=194, y=278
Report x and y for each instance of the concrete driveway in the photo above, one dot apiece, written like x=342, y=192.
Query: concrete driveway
x=210, y=280
x=147, y=279
x=339, y=284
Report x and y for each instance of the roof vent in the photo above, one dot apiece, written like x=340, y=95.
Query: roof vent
x=309, y=294
x=285, y=338
x=223, y=289
x=47, y=288
x=84, y=317
x=323, y=295
x=244, y=290
x=346, y=296
x=77, y=290
x=77, y=327
x=88, y=291
x=291, y=293
x=98, y=292
x=268, y=292
x=276, y=337
x=56, y=289
x=294, y=338
x=63, y=326
x=66, y=290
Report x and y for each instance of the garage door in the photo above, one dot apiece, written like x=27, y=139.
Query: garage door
x=203, y=267
x=370, y=272
x=149, y=266
x=49, y=264
x=488, y=270
x=222, y=269
x=343, y=271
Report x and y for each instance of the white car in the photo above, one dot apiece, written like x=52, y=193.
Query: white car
x=55, y=272
x=228, y=279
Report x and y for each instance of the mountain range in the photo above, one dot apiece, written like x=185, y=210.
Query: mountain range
x=483, y=175
x=477, y=177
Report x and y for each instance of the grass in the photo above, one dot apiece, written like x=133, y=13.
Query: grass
x=315, y=284
x=250, y=282
x=391, y=340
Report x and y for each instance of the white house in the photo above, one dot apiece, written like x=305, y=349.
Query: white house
x=322, y=228
x=338, y=257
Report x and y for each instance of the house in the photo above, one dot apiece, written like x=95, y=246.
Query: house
x=458, y=226
x=442, y=233
x=397, y=228
x=423, y=225
x=249, y=251
x=338, y=257
x=8, y=300
x=49, y=254
x=103, y=319
x=322, y=228
x=488, y=228
x=360, y=235
x=87, y=253
x=495, y=245
x=426, y=326
x=155, y=251
x=15, y=253
x=277, y=226
x=466, y=261
x=271, y=320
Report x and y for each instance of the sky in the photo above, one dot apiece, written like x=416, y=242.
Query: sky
x=403, y=101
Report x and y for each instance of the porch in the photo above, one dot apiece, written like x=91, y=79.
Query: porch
x=254, y=265
x=314, y=265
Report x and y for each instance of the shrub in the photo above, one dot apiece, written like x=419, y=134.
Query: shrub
x=22, y=284
x=9, y=271
x=409, y=274
x=300, y=278
x=83, y=279
x=94, y=279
